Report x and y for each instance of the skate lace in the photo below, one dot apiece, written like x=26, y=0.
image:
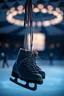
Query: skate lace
x=29, y=64
x=34, y=60
x=38, y=58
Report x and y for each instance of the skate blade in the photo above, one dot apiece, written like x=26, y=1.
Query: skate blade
x=25, y=86
x=31, y=81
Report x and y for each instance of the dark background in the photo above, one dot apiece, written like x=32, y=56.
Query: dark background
x=14, y=35
x=12, y=38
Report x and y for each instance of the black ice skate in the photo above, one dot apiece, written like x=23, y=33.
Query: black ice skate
x=24, y=69
x=34, y=56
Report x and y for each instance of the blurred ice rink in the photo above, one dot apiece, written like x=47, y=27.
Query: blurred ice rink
x=53, y=84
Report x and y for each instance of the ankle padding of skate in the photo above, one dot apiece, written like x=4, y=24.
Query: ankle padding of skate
x=35, y=52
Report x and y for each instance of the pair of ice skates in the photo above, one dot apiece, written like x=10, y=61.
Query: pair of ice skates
x=25, y=68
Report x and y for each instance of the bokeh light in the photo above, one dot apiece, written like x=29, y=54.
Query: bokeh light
x=39, y=23
x=50, y=7
x=38, y=41
x=44, y=10
x=40, y=6
x=36, y=10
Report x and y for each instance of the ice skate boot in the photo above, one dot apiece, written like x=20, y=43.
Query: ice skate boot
x=34, y=56
x=24, y=69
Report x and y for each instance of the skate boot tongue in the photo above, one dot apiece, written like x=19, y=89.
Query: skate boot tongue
x=25, y=52
x=28, y=53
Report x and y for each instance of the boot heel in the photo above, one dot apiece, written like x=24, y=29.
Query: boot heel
x=15, y=74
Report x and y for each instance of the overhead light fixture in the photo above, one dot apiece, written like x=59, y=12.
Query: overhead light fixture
x=39, y=23
x=20, y=7
x=34, y=23
x=58, y=10
x=40, y=6
x=44, y=10
x=12, y=9
x=48, y=10
x=36, y=10
x=50, y=7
